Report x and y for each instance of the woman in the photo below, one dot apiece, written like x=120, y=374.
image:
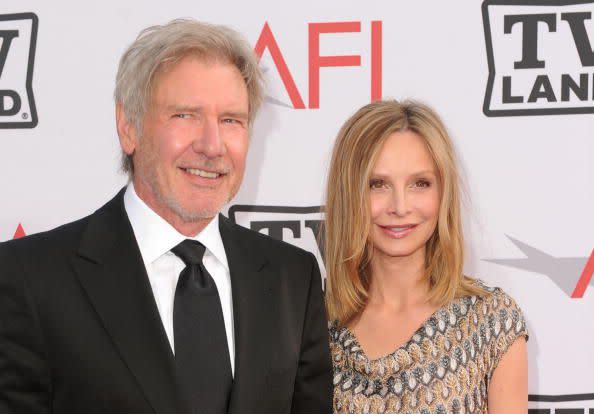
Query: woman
x=409, y=332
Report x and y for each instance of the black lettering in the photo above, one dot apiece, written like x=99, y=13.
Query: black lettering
x=6, y=36
x=529, y=36
x=542, y=89
x=315, y=226
x=275, y=228
x=507, y=96
x=567, y=84
x=8, y=95
x=569, y=411
x=580, y=35
x=539, y=411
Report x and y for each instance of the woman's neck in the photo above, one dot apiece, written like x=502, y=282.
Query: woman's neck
x=398, y=282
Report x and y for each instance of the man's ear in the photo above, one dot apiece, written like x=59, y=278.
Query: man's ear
x=126, y=131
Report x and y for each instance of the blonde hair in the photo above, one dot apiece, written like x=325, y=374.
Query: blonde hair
x=347, y=225
x=159, y=47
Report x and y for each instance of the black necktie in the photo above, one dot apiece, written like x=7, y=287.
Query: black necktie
x=202, y=360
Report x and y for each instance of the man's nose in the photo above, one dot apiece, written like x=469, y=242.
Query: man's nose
x=209, y=141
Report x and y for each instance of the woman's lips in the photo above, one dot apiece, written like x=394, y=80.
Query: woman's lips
x=398, y=232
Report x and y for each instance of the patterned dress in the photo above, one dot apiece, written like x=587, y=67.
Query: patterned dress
x=444, y=368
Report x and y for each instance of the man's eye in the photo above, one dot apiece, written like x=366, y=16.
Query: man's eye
x=182, y=116
x=230, y=121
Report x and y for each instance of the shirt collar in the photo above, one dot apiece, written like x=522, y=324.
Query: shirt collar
x=156, y=237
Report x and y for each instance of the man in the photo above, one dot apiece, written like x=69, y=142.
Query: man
x=155, y=303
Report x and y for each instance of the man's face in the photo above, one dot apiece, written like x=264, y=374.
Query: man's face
x=190, y=157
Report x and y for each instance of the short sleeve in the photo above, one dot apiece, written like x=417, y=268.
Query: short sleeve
x=506, y=323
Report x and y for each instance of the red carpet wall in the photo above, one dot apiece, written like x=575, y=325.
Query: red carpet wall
x=513, y=80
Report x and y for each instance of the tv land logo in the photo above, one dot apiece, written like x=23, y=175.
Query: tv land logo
x=18, y=38
x=540, y=57
x=299, y=226
x=268, y=42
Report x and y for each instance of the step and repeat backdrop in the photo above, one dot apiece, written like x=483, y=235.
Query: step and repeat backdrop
x=513, y=81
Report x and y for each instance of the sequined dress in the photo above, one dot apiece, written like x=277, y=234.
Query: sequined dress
x=444, y=368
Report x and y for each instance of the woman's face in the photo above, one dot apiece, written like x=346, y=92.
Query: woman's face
x=404, y=198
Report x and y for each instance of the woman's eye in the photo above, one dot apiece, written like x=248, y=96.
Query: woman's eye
x=423, y=184
x=376, y=184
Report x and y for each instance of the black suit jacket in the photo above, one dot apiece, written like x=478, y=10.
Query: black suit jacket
x=80, y=331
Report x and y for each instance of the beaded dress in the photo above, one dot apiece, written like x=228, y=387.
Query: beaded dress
x=444, y=368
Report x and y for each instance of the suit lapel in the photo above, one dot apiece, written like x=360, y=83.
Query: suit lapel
x=252, y=285
x=110, y=269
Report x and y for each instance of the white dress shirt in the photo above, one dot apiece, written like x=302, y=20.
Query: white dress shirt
x=155, y=238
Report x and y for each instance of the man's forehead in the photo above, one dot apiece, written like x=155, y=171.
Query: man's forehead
x=209, y=60
x=186, y=90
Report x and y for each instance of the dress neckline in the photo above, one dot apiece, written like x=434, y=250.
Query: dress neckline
x=407, y=353
x=403, y=345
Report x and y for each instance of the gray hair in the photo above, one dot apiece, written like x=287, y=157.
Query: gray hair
x=158, y=47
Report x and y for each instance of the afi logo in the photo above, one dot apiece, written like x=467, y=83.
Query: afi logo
x=299, y=226
x=19, y=232
x=540, y=56
x=18, y=36
x=563, y=271
x=316, y=61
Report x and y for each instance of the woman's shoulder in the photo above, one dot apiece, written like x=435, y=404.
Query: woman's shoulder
x=498, y=322
x=493, y=296
x=335, y=330
x=343, y=344
x=497, y=307
x=338, y=333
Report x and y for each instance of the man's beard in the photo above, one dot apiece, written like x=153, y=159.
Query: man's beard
x=187, y=216
x=168, y=199
x=172, y=203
